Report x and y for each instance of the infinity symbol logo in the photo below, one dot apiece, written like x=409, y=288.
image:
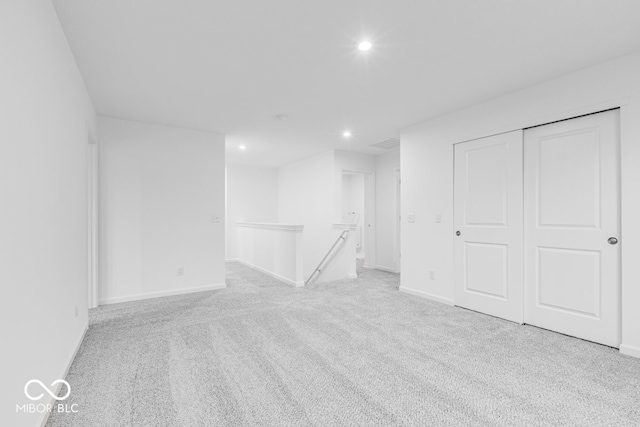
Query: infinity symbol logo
x=53, y=384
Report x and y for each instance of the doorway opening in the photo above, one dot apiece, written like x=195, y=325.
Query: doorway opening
x=398, y=220
x=357, y=206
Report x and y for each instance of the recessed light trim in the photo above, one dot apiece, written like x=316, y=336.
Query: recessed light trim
x=364, y=45
x=242, y=147
x=347, y=134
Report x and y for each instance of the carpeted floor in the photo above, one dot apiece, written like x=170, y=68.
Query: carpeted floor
x=358, y=352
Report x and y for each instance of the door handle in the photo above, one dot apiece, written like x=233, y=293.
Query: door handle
x=612, y=240
x=457, y=233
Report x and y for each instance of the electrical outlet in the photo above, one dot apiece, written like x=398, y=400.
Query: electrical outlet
x=411, y=217
x=432, y=275
x=438, y=217
x=180, y=271
x=215, y=219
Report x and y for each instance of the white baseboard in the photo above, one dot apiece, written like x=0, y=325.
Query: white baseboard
x=172, y=292
x=432, y=297
x=44, y=417
x=383, y=268
x=231, y=260
x=630, y=350
x=272, y=274
x=352, y=275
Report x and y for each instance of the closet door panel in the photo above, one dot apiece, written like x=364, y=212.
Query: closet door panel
x=488, y=218
x=571, y=210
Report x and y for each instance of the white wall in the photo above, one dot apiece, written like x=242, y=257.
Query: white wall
x=427, y=173
x=323, y=174
x=274, y=249
x=45, y=116
x=159, y=188
x=252, y=196
x=387, y=165
x=307, y=196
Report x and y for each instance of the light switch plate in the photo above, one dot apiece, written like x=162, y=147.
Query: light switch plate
x=411, y=217
x=438, y=217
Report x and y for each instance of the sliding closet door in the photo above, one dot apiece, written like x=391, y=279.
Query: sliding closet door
x=488, y=224
x=572, y=227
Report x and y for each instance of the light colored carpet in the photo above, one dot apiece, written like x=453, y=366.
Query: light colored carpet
x=343, y=353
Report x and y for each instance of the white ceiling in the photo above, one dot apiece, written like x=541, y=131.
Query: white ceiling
x=232, y=65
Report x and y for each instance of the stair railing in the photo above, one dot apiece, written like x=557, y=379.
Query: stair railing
x=320, y=265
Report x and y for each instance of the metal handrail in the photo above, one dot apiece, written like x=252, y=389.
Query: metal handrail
x=318, y=269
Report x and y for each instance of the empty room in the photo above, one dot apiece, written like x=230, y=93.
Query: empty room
x=320, y=213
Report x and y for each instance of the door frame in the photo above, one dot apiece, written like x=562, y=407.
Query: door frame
x=397, y=254
x=92, y=221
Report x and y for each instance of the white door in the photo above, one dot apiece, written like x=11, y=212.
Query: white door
x=571, y=210
x=488, y=223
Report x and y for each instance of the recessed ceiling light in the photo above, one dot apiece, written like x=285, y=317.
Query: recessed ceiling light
x=242, y=147
x=364, y=45
x=346, y=134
